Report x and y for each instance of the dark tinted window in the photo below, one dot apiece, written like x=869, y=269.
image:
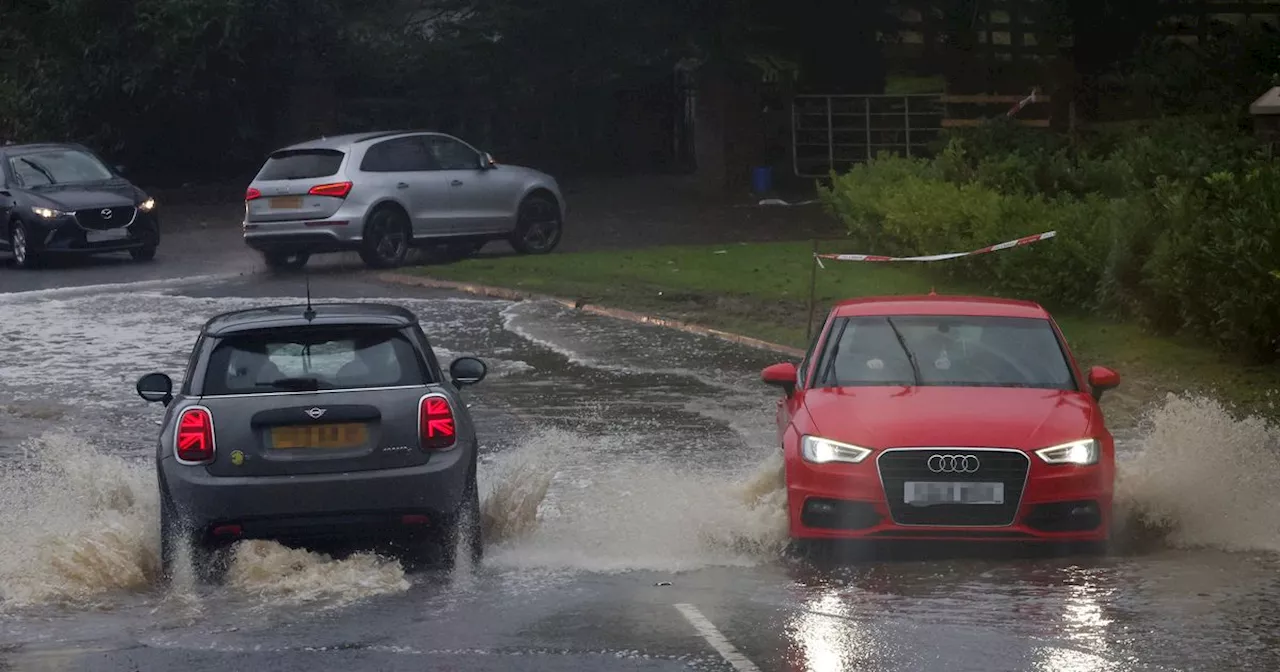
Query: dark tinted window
x=313, y=358
x=400, y=155
x=450, y=154
x=949, y=350
x=301, y=164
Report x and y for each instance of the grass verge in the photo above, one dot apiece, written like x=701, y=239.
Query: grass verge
x=761, y=290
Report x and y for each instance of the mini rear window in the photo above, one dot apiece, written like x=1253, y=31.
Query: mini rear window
x=313, y=359
x=301, y=164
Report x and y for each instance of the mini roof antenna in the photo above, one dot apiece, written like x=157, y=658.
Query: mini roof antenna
x=310, y=313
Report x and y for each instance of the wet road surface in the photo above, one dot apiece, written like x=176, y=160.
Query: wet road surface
x=633, y=514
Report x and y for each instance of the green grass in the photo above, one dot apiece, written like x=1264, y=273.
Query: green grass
x=762, y=290
x=909, y=84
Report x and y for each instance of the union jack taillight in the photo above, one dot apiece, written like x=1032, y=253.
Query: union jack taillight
x=193, y=442
x=436, y=427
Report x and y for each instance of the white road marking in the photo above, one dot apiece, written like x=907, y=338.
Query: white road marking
x=715, y=639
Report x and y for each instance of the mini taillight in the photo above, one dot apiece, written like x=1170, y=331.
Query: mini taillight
x=194, y=440
x=337, y=189
x=252, y=194
x=436, y=428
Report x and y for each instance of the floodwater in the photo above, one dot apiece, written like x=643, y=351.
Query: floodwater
x=626, y=470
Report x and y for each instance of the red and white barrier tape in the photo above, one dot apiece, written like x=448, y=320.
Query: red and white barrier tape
x=939, y=257
x=1024, y=102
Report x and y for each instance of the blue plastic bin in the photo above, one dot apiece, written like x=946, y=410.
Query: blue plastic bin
x=761, y=179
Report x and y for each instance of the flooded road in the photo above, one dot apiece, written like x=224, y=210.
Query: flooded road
x=634, y=518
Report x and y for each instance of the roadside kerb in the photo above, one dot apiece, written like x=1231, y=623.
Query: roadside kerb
x=616, y=313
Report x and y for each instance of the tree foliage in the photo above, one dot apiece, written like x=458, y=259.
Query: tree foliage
x=166, y=82
x=193, y=84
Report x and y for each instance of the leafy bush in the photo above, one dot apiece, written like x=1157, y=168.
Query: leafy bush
x=1208, y=272
x=920, y=214
x=1173, y=226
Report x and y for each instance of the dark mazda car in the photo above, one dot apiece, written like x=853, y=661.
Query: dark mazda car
x=317, y=424
x=64, y=199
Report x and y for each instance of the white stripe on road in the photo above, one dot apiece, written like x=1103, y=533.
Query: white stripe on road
x=715, y=639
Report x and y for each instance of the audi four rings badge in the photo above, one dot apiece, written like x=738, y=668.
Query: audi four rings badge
x=953, y=464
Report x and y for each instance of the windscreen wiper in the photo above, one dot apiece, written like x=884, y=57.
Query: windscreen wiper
x=46, y=173
x=298, y=384
x=911, y=357
x=830, y=372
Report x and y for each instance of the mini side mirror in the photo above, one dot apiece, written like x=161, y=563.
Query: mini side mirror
x=120, y=169
x=156, y=387
x=1102, y=379
x=487, y=162
x=467, y=371
x=781, y=375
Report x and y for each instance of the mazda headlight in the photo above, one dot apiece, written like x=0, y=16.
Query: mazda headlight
x=819, y=450
x=147, y=205
x=1081, y=452
x=49, y=213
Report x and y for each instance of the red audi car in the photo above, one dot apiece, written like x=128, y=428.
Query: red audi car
x=944, y=418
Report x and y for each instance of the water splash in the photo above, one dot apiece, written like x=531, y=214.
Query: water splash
x=281, y=575
x=80, y=524
x=83, y=524
x=556, y=503
x=84, y=528
x=1201, y=478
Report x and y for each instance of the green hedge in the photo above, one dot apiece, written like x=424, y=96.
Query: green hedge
x=1173, y=224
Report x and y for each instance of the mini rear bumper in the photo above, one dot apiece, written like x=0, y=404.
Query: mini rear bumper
x=1057, y=504
x=333, y=505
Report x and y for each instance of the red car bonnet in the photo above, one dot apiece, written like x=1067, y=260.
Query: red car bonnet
x=877, y=417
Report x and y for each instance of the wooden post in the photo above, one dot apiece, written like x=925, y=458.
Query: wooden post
x=813, y=292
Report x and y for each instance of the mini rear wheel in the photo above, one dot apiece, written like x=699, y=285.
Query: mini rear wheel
x=175, y=538
x=459, y=536
x=466, y=536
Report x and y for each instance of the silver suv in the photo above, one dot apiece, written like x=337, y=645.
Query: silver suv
x=381, y=193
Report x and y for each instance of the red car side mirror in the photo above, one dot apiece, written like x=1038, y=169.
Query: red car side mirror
x=1102, y=379
x=781, y=375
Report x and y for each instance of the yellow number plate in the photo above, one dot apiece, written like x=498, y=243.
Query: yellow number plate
x=286, y=203
x=349, y=435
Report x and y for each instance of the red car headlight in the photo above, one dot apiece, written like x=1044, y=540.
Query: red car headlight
x=819, y=451
x=1083, y=452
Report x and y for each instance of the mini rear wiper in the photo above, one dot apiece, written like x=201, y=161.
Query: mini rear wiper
x=911, y=357
x=299, y=384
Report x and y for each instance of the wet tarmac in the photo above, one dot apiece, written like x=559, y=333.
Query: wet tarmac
x=634, y=520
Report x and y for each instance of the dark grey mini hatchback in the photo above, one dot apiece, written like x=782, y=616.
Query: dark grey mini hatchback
x=323, y=423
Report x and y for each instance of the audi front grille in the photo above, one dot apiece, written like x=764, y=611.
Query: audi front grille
x=1003, y=465
x=99, y=219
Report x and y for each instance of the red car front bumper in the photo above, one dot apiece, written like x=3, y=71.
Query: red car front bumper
x=1054, y=503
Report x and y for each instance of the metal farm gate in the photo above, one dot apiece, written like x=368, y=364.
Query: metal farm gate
x=836, y=131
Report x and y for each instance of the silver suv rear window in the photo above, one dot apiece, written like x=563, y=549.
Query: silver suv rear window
x=313, y=359
x=301, y=164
